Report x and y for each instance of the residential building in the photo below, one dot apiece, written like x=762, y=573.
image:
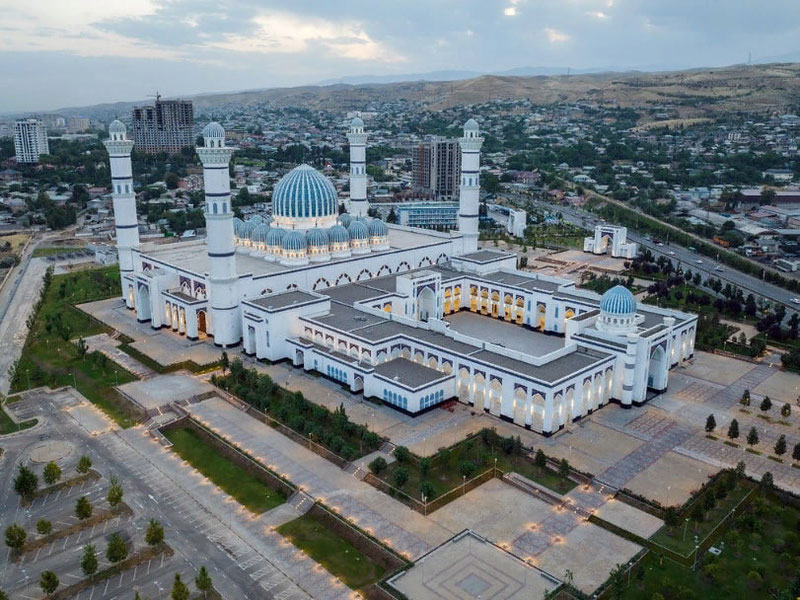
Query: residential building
x=30, y=140
x=167, y=126
x=436, y=167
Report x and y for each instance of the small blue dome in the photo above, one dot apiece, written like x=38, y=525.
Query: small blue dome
x=378, y=228
x=317, y=237
x=116, y=126
x=471, y=125
x=345, y=219
x=618, y=301
x=357, y=122
x=260, y=233
x=214, y=130
x=358, y=230
x=247, y=230
x=294, y=240
x=275, y=236
x=304, y=192
x=338, y=235
x=237, y=226
x=255, y=220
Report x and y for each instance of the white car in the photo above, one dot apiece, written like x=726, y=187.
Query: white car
x=699, y=262
x=795, y=300
x=718, y=269
x=671, y=253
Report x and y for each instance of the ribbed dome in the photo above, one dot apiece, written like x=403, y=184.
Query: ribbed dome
x=116, y=126
x=255, y=220
x=317, y=237
x=345, y=219
x=471, y=125
x=358, y=230
x=213, y=130
x=618, y=301
x=377, y=228
x=260, y=233
x=338, y=235
x=304, y=193
x=357, y=122
x=294, y=240
x=237, y=226
x=275, y=236
x=247, y=231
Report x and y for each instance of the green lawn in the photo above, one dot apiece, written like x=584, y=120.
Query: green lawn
x=55, y=250
x=336, y=554
x=9, y=426
x=247, y=489
x=751, y=564
x=49, y=356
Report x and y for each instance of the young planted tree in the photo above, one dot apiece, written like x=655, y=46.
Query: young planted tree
x=711, y=423
x=796, y=452
x=48, y=581
x=154, y=535
x=26, y=482
x=752, y=437
x=377, y=465
x=563, y=468
x=766, y=404
x=83, y=508
x=203, y=581
x=3, y=595
x=400, y=477
x=745, y=399
x=117, y=549
x=780, y=446
x=733, y=429
x=786, y=410
x=115, y=492
x=424, y=466
x=89, y=560
x=84, y=464
x=540, y=460
x=402, y=454
x=51, y=473
x=15, y=537
x=767, y=483
x=224, y=362
x=179, y=589
x=43, y=526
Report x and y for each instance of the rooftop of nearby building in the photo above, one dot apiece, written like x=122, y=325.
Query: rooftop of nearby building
x=409, y=373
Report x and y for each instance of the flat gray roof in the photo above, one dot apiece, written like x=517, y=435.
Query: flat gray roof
x=552, y=371
x=502, y=333
x=409, y=373
x=485, y=256
x=283, y=300
x=351, y=293
x=347, y=318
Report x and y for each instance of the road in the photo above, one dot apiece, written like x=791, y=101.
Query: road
x=680, y=256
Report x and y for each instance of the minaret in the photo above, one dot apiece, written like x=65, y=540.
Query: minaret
x=127, y=225
x=223, y=290
x=358, y=168
x=469, y=191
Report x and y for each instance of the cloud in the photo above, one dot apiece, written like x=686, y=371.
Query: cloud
x=554, y=36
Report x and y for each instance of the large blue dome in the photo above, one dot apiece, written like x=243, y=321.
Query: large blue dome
x=304, y=193
x=618, y=301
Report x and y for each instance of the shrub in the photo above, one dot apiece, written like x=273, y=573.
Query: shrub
x=117, y=549
x=15, y=536
x=786, y=410
x=83, y=508
x=424, y=466
x=400, y=477
x=43, y=526
x=51, y=473
x=26, y=482
x=402, y=454
x=540, y=460
x=466, y=468
x=378, y=465
x=426, y=489
x=84, y=464
x=154, y=534
x=766, y=404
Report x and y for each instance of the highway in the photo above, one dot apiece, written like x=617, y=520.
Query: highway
x=679, y=256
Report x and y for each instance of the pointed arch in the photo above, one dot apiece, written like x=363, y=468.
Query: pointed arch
x=343, y=277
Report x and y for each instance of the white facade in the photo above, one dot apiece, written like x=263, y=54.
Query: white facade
x=372, y=307
x=30, y=140
x=610, y=239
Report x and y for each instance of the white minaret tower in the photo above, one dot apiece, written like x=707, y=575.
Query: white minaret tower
x=223, y=280
x=469, y=191
x=127, y=225
x=358, y=168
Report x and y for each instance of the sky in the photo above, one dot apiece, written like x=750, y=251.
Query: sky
x=60, y=53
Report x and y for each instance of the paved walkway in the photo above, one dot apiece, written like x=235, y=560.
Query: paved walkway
x=731, y=394
x=108, y=346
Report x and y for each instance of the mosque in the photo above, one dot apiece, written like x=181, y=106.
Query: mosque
x=410, y=316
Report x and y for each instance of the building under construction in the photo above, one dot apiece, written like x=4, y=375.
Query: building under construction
x=167, y=126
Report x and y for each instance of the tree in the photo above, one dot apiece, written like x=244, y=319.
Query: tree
x=466, y=468
x=563, y=468
x=426, y=489
x=171, y=179
x=48, y=581
x=377, y=465
x=114, y=495
x=711, y=423
x=766, y=404
x=540, y=460
x=733, y=429
x=15, y=537
x=745, y=399
x=3, y=595
x=179, y=589
x=767, y=483
x=400, y=477
x=786, y=410
x=796, y=452
x=154, y=534
x=51, y=473
x=83, y=508
x=84, y=464
x=26, y=482
x=117, y=548
x=43, y=526
x=224, y=362
x=424, y=466
x=752, y=437
x=402, y=454
x=89, y=560
x=203, y=581
x=780, y=445
x=671, y=516
x=83, y=348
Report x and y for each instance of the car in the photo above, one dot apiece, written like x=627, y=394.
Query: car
x=795, y=300
x=660, y=245
x=718, y=269
x=672, y=253
x=699, y=262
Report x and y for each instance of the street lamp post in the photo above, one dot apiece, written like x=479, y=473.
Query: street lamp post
x=464, y=484
x=685, y=525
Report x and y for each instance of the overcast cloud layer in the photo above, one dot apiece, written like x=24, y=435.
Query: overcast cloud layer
x=57, y=53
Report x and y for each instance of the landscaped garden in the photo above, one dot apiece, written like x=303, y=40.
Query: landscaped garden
x=454, y=466
x=332, y=429
x=246, y=488
x=51, y=358
x=332, y=551
x=9, y=426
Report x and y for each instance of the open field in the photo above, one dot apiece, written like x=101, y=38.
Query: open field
x=247, y=489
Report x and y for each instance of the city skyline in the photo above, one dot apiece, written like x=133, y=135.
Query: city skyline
x=93, y=52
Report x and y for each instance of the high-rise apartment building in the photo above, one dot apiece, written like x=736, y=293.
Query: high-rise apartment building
x=167, y=126
x=436, y=163
x=30, y=140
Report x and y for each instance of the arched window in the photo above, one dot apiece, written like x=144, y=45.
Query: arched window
x=224, y=207
x=215, y=208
